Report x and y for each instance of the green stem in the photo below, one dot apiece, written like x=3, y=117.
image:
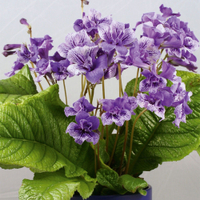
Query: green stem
x=134, y=91
x=102, y=131
x=103, y=88
x=131, y=140
x=36, y=76
x=107, y=138
x=65, y=91
x=95, y=159
x=124, y=147
x=120, y=81
x=114, y=147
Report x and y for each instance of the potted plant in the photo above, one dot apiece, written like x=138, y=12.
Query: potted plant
x=94, y=148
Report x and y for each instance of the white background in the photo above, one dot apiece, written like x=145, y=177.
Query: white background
x=171, y=181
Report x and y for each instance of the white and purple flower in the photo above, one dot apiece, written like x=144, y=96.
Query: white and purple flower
x=85, y=129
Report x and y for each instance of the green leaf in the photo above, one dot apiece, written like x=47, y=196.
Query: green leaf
x=198, y=150
x=54, y=186
x=155, y=142
x=118, y=151
x=20, y=84
x=109, y=178
x=132, y=184
x=32, y=134
x=102, y=151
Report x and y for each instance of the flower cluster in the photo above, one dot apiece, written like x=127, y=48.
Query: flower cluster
x=102, y=48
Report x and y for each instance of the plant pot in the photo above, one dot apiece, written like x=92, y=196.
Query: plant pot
x=135, y=196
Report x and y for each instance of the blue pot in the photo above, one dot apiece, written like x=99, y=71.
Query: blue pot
x=135, y=196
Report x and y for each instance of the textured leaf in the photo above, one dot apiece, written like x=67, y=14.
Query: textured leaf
x=37, y=137
x=198, y=150
x=118, y=151
x=155, y=142
x=109, y=178
x=132, y=184
x=20, y=84
x=54, y=186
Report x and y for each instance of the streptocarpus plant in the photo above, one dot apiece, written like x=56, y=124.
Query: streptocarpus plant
x=101, y=148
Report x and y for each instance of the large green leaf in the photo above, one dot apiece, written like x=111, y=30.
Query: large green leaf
x=198, y=150
x=132, y=184
x=20, y=84
x=155, y=142
x=109, y=178
x=32, y=134
x=54, y=186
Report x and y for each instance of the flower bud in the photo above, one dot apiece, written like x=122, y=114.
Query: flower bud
x=8, y=47
x=24, y=21
x=8, y=53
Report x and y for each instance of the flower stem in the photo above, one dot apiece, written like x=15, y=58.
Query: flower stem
x=95, y=159
x=82, y=6
x=120, y=81
x=131, y=140
x=124, y=147
x=134, y=91
x=114, y=147
x=65, y=91
x=47, y=80
x=103, y=88
x=36, y=76
x=88, y=89
x=102, y=131
x=98, y=155
x=107, y=138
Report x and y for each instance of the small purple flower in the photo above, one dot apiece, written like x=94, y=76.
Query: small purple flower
x=60, y=69
x=81, y=105
x=73, y=40
x=24, y=21
x=83, y=61
x=91, y=22
x=116, y=36
x=9, y=47
x=40, y=47
x=43, y=68
x=85, y=129
x=17, y=66
x=152, y=82
x=167, y=12
x=24, y=55
x=153, y=103
x=118, y=110
x=181, y=97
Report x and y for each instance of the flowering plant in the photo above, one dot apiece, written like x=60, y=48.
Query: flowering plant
x=101, y=148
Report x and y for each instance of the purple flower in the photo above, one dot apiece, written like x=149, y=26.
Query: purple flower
x=60, y=69
x=9, y=47
x=116, y=36
x=24, y=55
x=24, y=21
x=181, y=97
x=152, y=82
x=153, y=103
x=83, y=61
x=40, y=47
x=169, y=72
x=118, y=110
x=73, y=40
x=81, y=105
x=17, y=66
x=43, y=68
x=92, y=22
x=85, y=129
x=167, y=12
